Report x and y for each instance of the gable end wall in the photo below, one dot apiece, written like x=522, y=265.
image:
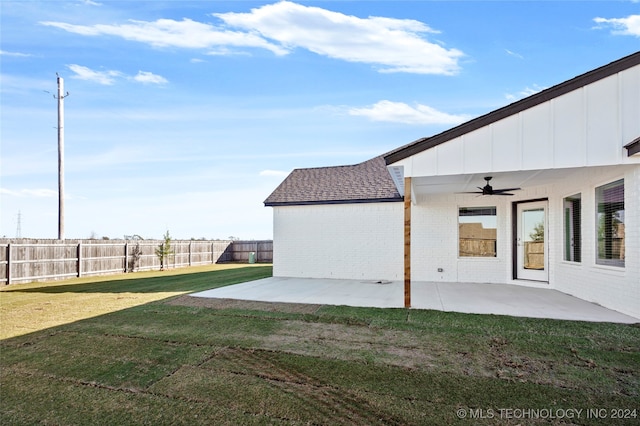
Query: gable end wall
x=341, y=241
x=589, y=126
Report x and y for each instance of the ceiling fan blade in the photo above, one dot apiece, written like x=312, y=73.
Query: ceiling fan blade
x=506, y=190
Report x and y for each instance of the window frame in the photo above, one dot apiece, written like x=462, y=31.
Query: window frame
x=608, y=237
x=572, y=228
x=493, y=212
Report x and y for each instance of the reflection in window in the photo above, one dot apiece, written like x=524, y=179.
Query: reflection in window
x=477, y=227
x=572, y=228
x=610, y=223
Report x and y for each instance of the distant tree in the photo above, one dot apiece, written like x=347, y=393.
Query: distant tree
x=538, y=232
x=164, y=250
x=134, y=257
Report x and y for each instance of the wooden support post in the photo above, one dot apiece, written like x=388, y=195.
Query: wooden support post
x=407, y=242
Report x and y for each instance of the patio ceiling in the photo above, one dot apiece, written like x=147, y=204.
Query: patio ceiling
x=449, y=184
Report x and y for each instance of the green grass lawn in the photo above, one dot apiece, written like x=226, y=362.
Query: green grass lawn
x=133, y=349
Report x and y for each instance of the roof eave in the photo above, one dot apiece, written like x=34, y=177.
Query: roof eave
x=357, y=201
x=633, y=147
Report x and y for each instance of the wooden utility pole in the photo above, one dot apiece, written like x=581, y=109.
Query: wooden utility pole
x=60, y=99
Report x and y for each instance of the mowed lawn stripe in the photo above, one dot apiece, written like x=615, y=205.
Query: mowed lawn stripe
x=25, y=308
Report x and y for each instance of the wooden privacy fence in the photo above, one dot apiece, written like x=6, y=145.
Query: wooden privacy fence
x=476, y=247
x=534, y=255
x=23, y=260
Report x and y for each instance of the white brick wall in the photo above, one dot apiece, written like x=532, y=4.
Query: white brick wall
x=344, y=241
x=365, y=241
x=435, y=240
x=613, y=287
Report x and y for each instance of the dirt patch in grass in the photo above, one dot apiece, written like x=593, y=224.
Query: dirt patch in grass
x=251, y=305
x=341, y=341
x=383, y=338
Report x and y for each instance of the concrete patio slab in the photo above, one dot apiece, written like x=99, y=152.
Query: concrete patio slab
x=498, y=299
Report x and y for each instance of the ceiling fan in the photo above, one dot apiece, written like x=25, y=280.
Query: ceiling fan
x=488, y=189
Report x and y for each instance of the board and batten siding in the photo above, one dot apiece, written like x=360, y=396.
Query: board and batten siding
x=341, y=241
x=586, y=127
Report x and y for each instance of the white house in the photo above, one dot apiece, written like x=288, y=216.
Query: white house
x=561, y=208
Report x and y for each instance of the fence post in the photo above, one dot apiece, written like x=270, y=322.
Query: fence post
x=190, y=243
x=8, y=263
x=79, y=259
x=126, y=256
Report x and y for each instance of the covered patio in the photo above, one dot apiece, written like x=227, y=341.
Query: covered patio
x=496, y=299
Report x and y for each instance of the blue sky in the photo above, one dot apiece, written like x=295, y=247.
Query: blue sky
x=185, y=115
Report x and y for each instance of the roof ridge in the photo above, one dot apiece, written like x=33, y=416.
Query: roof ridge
x=339, y=166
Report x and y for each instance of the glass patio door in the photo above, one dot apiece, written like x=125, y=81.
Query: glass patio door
x=532, y=244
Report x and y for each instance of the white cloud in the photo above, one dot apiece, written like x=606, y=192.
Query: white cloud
x=528, y=91
x=16, y=54
x=186, y=34
x=396, y=45
x=146, y=77
x=41, y=192
x=102, y=77
x=36, y=193
x=8, y=192
x=399, y=112
x=279, y=173
x=621, y=26
x=514, y=54
x=109, y=77
x=393, y=45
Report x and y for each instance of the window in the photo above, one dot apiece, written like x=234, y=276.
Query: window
x=572, y=228
x=610, y=224
x=477, y=231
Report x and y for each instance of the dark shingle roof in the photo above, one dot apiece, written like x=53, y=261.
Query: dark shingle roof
x=367, y=182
